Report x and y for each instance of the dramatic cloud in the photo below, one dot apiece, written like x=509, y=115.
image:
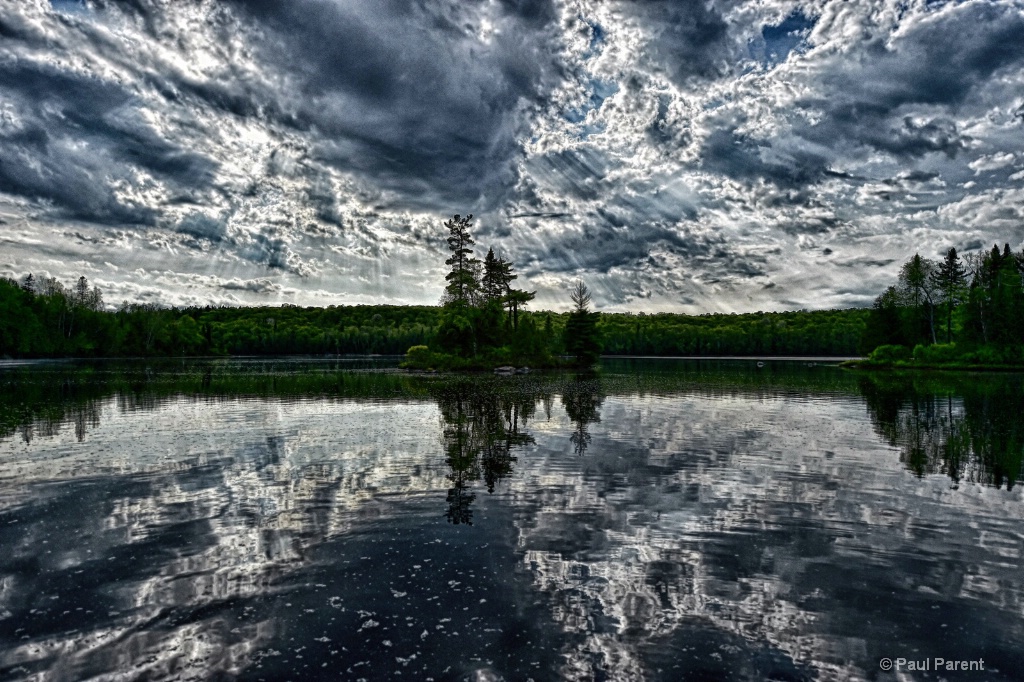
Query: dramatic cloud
x=682, y=155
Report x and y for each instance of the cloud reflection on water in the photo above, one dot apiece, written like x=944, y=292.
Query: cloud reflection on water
x=720, y=522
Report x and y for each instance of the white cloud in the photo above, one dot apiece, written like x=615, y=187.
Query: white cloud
x=699, y=169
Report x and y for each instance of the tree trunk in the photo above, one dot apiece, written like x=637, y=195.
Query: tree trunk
x=931, y=320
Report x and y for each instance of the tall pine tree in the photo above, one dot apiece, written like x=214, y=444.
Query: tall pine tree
x=492, y=283
x=462, y=278
x=582, y=339
x=950, y=278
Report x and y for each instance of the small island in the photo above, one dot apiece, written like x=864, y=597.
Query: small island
x=482, y=324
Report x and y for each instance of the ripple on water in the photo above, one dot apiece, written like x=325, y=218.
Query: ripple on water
x=642, y=526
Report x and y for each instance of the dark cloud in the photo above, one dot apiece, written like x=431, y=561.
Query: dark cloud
x=865, y=262
x=605, y=137
x=918, y=176
x=738, y=156
x=203, y=227
x=575, y=172
x=811, y=225
x=880, y=95
x=78, y=134
x=408, y=94
x=688, y=39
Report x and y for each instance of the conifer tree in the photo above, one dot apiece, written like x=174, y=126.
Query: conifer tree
x=582, y=339
x=514, y=299
x=462, y=280
x=949, y=278
x=81, y=295
x=492, y=283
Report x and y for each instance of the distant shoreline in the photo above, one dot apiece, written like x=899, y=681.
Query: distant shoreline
x=792, y=358
x=867, y=366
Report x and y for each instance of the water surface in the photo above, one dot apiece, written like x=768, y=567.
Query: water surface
x=659, y=520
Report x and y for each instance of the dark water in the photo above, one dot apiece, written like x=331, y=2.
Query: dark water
x=662, y=520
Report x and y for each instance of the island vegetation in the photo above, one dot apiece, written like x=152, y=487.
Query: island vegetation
x=955, y=313
x=482, y=324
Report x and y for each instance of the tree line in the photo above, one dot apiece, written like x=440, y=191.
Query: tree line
x=48, y=322
x=483, y=320
x=41, y=320
x=958, y=310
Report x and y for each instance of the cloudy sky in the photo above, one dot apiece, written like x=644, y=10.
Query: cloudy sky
x=675, y=154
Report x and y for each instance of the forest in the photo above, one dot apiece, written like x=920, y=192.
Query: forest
x=958, y=311
x=48, y=320
x=962, y=312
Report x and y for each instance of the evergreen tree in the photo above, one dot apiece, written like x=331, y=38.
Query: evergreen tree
x=29, y=284
x=518, y=298
x=492, y=283
x=81, y=295
x=582, y=339
x=463, y=281
x=513, y=299
x=95, y=301
x=949, y=279
x=982, y=318
x=1008, y=302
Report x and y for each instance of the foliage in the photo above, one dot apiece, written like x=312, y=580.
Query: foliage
x=462, y=279
x=48, y=322
x=582, y=338
x=30, y=326
x=472, y=331
x=934, y=354
x=983, y=320
x=949, y=279
x=889, y=354
x=419, y=357
x=795, y=333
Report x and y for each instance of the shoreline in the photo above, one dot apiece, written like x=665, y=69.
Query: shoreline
x=868, y=366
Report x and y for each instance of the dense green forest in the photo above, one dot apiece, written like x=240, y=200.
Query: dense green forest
x=49, y=320
x=953, y=312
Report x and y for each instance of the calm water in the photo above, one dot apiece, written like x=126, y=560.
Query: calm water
x=662, y=520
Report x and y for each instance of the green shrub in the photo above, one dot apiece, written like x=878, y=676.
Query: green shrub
x=418, y=357
x=936, y=353
x=889, y=354
x=987, y=355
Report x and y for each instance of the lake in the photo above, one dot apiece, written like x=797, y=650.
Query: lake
x=300, y=519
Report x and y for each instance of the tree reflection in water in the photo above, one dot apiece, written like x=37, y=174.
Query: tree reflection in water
x=582, y=399
x=967, y=427
x=255, y=517
x=482, y=424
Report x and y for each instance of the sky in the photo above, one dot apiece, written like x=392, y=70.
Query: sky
x=675, y=155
